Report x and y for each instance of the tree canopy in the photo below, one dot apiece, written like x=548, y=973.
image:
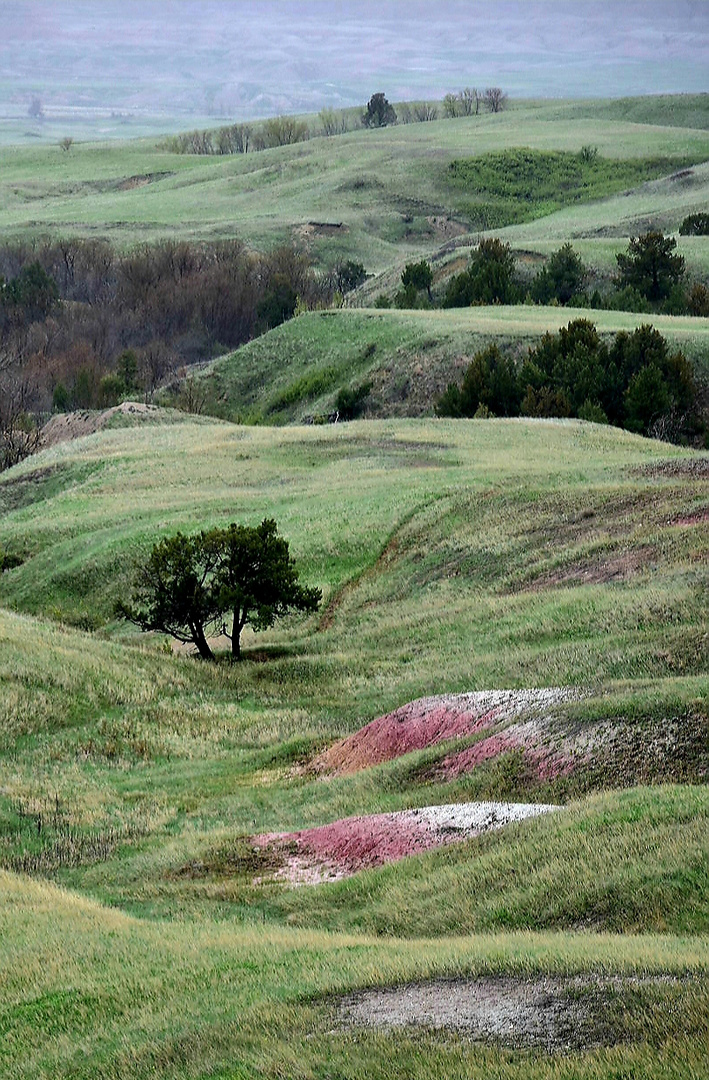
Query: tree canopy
x=379, y=112
x=650, y=266
x=561, y=278
x=242, y=574
x=488, y=280
x=257, y=580
x=174, y=590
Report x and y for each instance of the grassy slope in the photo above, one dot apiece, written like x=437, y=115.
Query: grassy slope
x=447, y=552
x=138, y=765
x=143, y=999
x=447, y=558
x=410, y=357
x=370, y=181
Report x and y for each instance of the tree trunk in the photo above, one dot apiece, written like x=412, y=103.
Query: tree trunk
x=237, y=627
x=201, y=642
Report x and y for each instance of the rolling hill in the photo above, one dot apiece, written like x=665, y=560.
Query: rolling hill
x=514, y=611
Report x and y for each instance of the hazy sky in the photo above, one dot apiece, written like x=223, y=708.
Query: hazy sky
x=243, y=58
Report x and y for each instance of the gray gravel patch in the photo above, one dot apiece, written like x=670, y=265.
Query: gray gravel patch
x=552, y=1013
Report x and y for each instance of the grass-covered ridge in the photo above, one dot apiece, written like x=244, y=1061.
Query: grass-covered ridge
x=389, y=190
x=295, y=371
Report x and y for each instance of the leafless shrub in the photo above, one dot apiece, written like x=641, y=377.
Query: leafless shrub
x=425, y=111
x=495, y=99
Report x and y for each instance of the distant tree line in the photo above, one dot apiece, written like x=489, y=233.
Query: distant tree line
x=244, y=138
x=84, y=325
x=636, y=382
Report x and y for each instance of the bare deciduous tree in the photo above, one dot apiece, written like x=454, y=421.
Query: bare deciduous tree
x=495, y=99
x=425, y=111
x=469, y=101
x=284, y=130
x=333, y=122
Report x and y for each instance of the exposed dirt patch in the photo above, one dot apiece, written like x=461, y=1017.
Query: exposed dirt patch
x=551, y=1013
x=432, y=720
x=74, y=425
x=599, y=754
x=18, y=491
x=142, y=181
x=321, y=228
x=444, y=227
x=529, y=258
x=619, y=566
x=342, y=848
x=696, y=466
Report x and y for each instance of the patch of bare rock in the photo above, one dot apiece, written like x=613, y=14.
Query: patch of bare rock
x=551, y=1013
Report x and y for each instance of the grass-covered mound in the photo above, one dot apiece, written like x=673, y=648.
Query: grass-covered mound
x=453, y=556
x=187, y=999
x=513, y=186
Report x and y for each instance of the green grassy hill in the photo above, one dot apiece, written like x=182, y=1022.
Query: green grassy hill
x=453, y=556
x=140, y=934
x=295, y=372
x=376, y=196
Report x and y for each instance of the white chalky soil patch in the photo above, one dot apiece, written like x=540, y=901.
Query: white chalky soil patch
x=334, y=851
x=472, y=818
x=554, y=1013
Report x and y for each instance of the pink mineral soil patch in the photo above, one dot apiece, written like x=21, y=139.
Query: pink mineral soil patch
x=430, y=720
x=340, y=849
x=544, y=763
x=412, y=727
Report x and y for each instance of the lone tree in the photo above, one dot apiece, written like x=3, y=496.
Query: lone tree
x=650, y=266
x=379, y=112
x=174, y=590
x=191, y=583
x=257, y=579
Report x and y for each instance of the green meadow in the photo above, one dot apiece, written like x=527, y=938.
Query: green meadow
x=140, y=934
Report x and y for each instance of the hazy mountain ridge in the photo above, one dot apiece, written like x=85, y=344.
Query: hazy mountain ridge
x=245, y=59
